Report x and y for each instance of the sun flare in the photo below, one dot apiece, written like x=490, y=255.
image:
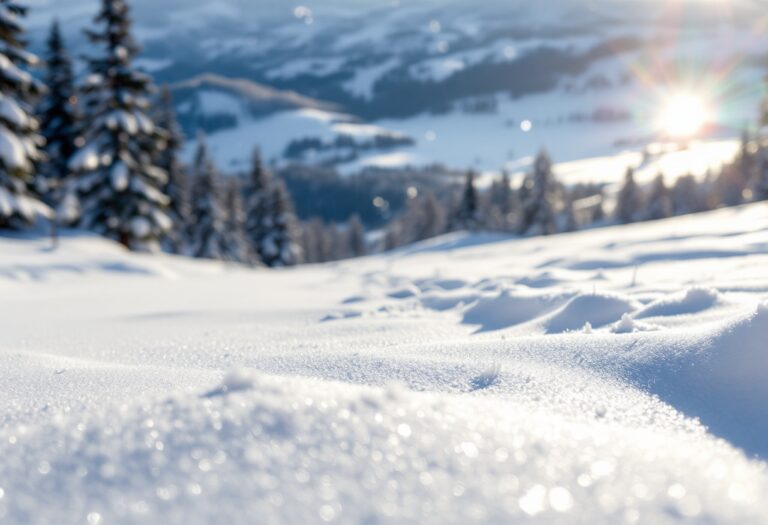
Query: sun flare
x=683, y=115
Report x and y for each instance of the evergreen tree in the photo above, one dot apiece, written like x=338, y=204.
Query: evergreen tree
x=729, y=186
x=539, y=206
x=688, y=196
x=206, y=234
x=747, y=165
x=356, y=237
x=119, y=188
x=423, y=219
x=629, y=203
x=502, y=204
x=19, y=139
x=316, y=243
x=58, y=118
x=467, y=216
x=659, y=200
x=280, y=247
x=761, y=184
x=236, y=245
x=567, y=220
x=257, y=196
x=177, y=186
x=598, y=210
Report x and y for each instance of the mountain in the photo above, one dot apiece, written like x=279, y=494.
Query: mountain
x=580, y=78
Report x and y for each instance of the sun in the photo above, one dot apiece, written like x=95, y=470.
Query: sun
x=683, y=115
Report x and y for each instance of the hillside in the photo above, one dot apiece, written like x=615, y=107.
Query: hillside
x=521, y=76
x=612, y=375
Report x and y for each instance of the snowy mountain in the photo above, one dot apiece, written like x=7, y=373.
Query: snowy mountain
x=581, y=78
x=607, y=376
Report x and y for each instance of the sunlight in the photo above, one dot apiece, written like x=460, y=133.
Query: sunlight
x=683, y=115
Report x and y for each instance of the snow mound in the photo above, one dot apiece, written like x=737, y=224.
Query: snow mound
x=234, y=381
x=724, y=383
x=512, y=307
x=304, y=451
x=426, y=285
x=404, y=293
x=597, y=309
x=690, y=301
x=628, y=325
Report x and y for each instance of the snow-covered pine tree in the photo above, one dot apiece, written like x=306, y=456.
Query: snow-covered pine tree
x=688, y=196
x=538, y=214
x=659, y=202
x=356, y=237
x=119, y=187
x=257, y=192
x=237, y=247
x=206, y=233
x=502, y=204
x=59, y=120
x=761, y=184
x=598, y=210
x=629, y=203
x=280, y=247
x=748, y=165
x=316, y=244
x=466, y=216
x=567, y=221
x=432, y=217
x=177, y=187
x=19, y=138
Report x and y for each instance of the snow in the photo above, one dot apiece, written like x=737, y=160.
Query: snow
x=467, y=379
x=364, y=81
x=12, y=151
x=232, y=149
x=10, y=111
x=318, y=66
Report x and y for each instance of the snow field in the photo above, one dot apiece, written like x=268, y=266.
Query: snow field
x=606, y=376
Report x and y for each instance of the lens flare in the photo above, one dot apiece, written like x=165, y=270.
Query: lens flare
x=683, y=115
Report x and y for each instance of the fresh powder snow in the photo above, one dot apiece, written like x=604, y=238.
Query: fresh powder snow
x=593, y=377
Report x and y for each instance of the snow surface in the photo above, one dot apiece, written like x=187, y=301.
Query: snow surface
x=467, y=379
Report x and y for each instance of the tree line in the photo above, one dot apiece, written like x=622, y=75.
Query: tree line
x=101, y=152
x=542, y=205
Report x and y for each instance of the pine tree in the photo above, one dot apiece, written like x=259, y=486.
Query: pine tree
x=467, y=216
x=236, y=246
x=119, y=188
x=206, y=235
x=629, y=203
x=761, y=184
x=423, y=219
x=280, y=247
x=58, y=117
x=315, y=242
x=598, y=210
x=502, y=204
x=356, y=237
x=687, y=196
x=659, y=200
x=19, y=139
x=538, y=217
x=567, y=220
x=257, y=194
x=177, y=187
x=747, y=165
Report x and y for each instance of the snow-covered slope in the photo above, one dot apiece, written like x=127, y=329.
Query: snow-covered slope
x=588, y=78
x=607, y=376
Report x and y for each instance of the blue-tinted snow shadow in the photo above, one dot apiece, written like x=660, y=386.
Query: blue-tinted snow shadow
x=723, y=382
